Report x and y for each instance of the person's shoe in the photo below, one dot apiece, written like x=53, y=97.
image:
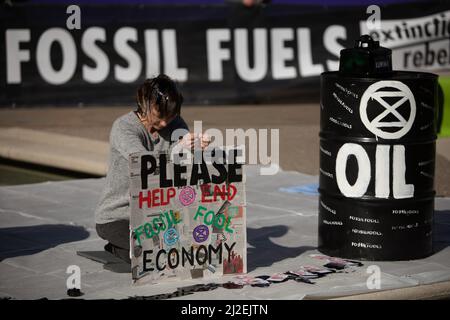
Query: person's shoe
x=117, y=252
x=109, y=248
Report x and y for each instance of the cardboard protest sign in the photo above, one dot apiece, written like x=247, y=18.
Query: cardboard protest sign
x=187, y=221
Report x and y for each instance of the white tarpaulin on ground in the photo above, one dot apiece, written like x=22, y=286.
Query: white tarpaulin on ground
x=43, y=226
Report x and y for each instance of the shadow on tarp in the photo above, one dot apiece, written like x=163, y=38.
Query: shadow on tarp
x=23, y=241
x=265, y=252
x=441, y=232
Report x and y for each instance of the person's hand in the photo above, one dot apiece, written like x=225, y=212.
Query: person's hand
x=205, y=140
x=191, y=140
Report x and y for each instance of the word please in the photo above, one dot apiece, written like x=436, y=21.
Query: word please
x=199, y=172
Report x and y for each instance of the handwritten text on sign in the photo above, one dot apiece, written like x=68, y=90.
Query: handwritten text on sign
x=187, y=220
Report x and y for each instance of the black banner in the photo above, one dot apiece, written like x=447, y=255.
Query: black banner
x=218, y=53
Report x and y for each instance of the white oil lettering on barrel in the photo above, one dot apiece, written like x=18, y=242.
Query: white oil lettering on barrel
x=401, y=190
x=359, y=188
x=377, y=125
x=382, y=171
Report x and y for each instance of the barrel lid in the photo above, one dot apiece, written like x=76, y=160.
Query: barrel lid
x=366, y=59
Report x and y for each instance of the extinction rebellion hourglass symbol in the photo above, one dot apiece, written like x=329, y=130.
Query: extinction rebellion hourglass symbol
x=187, y=196
x=378, y=92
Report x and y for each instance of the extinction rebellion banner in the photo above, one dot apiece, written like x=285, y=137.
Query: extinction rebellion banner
x=218, y=53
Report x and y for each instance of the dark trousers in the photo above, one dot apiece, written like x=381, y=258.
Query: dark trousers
x=117, y=233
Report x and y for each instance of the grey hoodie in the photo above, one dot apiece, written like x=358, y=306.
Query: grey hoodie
x=128, y=135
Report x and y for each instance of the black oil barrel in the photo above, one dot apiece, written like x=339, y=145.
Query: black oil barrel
x=377, y=158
